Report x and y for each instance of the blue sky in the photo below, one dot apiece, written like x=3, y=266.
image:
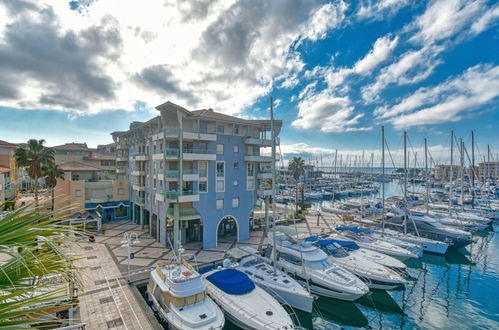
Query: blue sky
x=337, y=70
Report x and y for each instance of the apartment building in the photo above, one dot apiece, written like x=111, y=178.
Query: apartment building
x=443, y=171
x=488, y=170
x=195, y=176
x=102, y=160
x=8, y=171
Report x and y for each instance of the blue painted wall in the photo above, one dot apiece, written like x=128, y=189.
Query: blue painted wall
x=109, y=208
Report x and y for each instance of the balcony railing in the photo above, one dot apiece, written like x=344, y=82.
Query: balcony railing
x=172, y=131
x=141, y=153
x=139, y=200
x=200, y=130
x=203, y=173
x=176, y=194
x=171, y=174
x=171, y=152
x=189, y=171
x=198, y=151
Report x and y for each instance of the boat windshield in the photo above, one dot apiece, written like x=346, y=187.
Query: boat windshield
x=336, y=251
x=319, y=265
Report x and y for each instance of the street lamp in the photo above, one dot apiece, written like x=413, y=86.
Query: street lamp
x=128, y=241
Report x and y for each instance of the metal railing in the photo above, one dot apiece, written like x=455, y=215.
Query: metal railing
x=198, y=151
x=172, y=152
x=172, y=174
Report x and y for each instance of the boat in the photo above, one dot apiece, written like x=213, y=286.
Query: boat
x=451, y=221
x=312, y=267
x=178, y=294
x=364, y=240
x=280, y=285
x=248, y=306
x=375, y=275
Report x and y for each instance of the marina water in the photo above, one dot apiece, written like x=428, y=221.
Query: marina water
x=457, y=291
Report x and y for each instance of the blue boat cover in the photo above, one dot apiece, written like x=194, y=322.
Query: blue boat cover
x=232, y=281
x=352, y=229
x=311, y=239
x=346, y=244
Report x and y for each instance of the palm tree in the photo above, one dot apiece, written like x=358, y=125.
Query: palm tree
x=297, y=167
x=33, y=158
x=35, y=273
x=52, y=172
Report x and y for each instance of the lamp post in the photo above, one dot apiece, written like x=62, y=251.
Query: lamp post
x=128, y=240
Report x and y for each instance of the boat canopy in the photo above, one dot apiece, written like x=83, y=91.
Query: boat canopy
x=352, y=229
x=346, y=244
x=232, y=281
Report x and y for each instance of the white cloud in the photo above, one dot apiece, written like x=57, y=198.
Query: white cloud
x=381, y=51
x=222, y=54
x=447, y=102
x=486, y=20
x=443, y=19
x=327, y=113
x=378, y=10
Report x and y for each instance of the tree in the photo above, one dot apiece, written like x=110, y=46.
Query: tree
x=297, y=167
x=35, y=273
x=52, y=172
x=33, y=158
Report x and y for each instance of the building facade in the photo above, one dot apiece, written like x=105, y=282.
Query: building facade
x=488, y=170
x=442, y=172
x=195, y=176
x=9, y=173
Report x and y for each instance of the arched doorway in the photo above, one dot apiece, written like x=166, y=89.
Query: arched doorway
x=227, y=230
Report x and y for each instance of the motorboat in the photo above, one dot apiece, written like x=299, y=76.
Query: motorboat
x=276, y=282
x=248, y=306
x=375, y=275
x=447, y=220
x=312, y=267
x=178, y=294
x=364, y=240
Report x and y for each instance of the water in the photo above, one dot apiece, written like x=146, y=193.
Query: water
x=456, y=291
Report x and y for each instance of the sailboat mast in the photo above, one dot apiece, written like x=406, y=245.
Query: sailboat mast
x=462, y=174
x=426, y=175
x=383, y=178
x=473, y=169
x=405, y=182
x=272, y=164
x=451, y=172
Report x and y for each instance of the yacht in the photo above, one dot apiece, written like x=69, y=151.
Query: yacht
x=312, y=267
x=375, y=275
x=451, y=221
x=246, y=305
x=178, y=294
x=280, y=285
x=364, y=240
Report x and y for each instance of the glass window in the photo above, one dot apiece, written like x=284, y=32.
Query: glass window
x=251, y=184
x=203, y=127
x=220, y=204
x=251, y=169
x=235, y=202
x=203, y=169
x=220, y=169
x=203, y=186
x=236, y=129
x=220, y=129
x=236, y=148
x=121, y=211
x=236, y=165
x=220, y=149
x=220, y=185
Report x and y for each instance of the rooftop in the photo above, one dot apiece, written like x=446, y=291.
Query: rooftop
x=72, y=146
x=78, y=166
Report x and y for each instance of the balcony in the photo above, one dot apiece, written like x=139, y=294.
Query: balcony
x=258, y=141
x=264, y=190
x=190, y=175
x=172, y=175
x=137, y=187
x=140, y=156
x=138, y=200
x=203, y=173
x=182, y=197
x=171, y=132
x=171, y=153
x=157, y=136
x=121, y=147
x=264, y=175
x=184, y=214
x=158, y=156
x=201, y=134
x=120, y=170
x=257, y=158
x=199, y=154
x=138, y=173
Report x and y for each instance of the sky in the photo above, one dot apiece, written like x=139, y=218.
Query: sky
x=74, y=71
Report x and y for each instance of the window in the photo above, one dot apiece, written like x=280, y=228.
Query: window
x=78, y=193
x=75, y=177
x=154, y=185
x=220, y=185
x=161, y=164
x=203, y=169
x=251, y=169
x=220, y=149
x=220, y=204
x=235, y=131
x=220, y=169
x=251, y=184
x=121, y=191
x=154, y=148
x=235, y=183
x=203, y=186
x=121, y=211
x=236, y=148
x=235, y=202
x=203, y=127
x=220, y=129
x=236, y=165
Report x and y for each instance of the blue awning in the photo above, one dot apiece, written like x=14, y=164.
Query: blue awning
x=232, y=281
x=352, y=229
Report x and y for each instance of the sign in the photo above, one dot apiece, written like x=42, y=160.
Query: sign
x=132, y=255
